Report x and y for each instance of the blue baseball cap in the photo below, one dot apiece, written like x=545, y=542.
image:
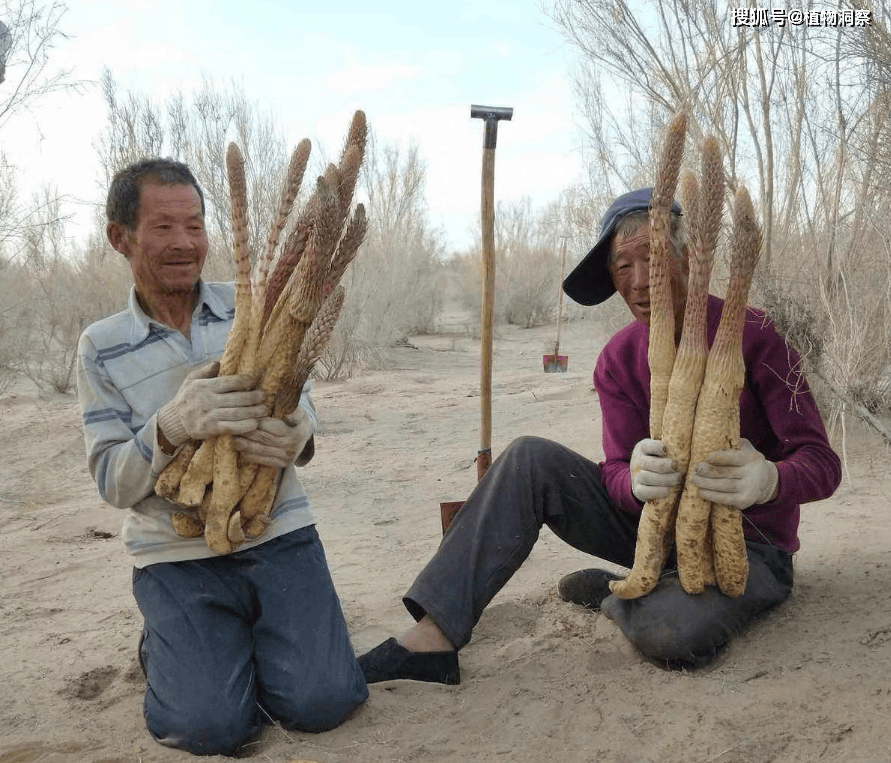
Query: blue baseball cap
x=590, y=282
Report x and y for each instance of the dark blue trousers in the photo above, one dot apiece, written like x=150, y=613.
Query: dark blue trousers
x=538, y=482
x=233, y=639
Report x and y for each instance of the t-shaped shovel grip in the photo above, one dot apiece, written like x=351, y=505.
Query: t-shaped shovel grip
x=491, y=114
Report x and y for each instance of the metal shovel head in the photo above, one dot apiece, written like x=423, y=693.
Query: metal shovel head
x=447, y=511
x=555, y=364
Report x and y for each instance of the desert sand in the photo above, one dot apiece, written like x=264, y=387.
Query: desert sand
x=542, y=680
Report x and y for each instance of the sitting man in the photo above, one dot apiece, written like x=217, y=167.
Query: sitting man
x=784, y=460
x=229, y=640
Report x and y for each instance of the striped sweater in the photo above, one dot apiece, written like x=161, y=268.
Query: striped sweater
x=128, y=366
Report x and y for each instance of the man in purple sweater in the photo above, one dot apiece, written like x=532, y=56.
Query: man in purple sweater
x=784, y=460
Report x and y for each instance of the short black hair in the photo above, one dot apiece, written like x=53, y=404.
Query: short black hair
x=122, y=203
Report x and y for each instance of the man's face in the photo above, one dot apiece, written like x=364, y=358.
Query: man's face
x=168, y=245
x=630, y=270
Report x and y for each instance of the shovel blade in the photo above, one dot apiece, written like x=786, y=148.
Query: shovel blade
x=555, y=364
x=447, y=511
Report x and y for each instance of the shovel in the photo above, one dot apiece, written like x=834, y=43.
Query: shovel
x=491, y=114
x=557, y=363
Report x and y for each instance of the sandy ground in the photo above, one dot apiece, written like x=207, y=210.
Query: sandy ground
x=542, y=680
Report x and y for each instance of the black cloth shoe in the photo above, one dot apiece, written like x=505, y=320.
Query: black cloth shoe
x=586, y=587
x=390, y=660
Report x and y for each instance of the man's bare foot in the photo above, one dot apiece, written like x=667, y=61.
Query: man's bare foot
x=425, y=636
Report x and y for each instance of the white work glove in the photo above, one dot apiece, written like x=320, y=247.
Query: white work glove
x=207, y=405
x=652, y=472
x=276, y=442
x=737, y=477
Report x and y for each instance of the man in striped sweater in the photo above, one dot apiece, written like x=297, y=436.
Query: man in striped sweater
x=229, y=641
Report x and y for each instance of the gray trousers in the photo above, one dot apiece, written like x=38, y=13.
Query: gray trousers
x=538, y=482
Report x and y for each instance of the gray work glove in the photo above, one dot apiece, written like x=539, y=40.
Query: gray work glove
x=653, y=474
x=276, y=442
x=207, y=405
x=737, y=477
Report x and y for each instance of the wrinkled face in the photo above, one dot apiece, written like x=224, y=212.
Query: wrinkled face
x=630, y=269
x=168, y=245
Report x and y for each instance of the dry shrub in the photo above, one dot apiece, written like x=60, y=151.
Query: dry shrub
x=839, y=322
x=51, y=290
x=526, y=285
x=528, y=244
x=391, y=294
x=14, y=322
x=531, y=282
x=53, y=298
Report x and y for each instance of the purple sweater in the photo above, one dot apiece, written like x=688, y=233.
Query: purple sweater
x=777, y=414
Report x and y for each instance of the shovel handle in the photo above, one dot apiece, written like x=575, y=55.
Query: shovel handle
x=560, y=297
x=487, y=217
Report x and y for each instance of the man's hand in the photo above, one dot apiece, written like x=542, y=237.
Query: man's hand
x=276, y=442
x=207, y=405
x=653, y=474
x=737, y=478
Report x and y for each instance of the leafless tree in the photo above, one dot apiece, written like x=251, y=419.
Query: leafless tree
x=765, y=92
x=29, y=30
x=801, y=113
